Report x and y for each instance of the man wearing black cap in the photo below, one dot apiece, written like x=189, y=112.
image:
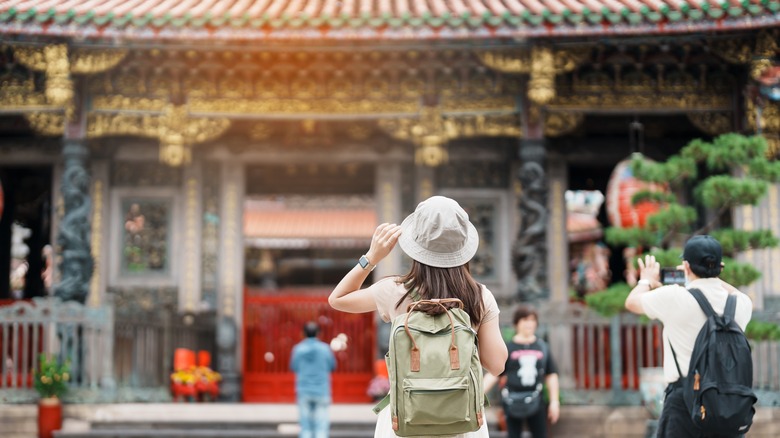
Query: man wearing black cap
x=683, y=318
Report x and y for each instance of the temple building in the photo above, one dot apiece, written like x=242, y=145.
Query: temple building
x=224, y=162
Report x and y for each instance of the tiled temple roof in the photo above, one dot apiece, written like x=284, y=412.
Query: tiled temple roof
x=376, y=19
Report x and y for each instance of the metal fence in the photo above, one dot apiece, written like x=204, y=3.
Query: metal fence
x=69, y=331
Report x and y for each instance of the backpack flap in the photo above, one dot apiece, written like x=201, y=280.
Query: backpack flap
x=435, y=372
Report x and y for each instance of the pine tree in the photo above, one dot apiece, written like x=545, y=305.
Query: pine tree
x=706, y=181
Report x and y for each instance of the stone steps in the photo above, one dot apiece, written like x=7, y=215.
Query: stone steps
x=18, y=421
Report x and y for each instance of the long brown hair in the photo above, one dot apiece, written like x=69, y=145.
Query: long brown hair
x=457, y=282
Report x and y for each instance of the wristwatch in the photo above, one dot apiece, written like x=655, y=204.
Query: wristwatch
x=643, y=281
x=365, y=264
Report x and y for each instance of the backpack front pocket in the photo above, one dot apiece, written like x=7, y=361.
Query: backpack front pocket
x=436, y=401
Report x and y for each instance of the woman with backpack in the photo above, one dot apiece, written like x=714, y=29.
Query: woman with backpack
x=529, y=368
x=440, y=240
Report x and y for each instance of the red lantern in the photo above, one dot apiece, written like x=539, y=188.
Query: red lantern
x=621, y=188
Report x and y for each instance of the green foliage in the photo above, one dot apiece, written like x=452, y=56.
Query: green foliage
x=734, y=241
x=739, y=274
x=738, y=174
x=651, y=196
x=675, y=170
x=610, y=301
x=634, y=236
x=722, y=191
x=766, y=170
x=674, y=217
x=51, y=377
x=762, y=331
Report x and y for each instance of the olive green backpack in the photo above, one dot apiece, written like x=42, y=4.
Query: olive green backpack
x=435, y=372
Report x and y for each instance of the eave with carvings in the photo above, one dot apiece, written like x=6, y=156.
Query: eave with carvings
x=183, y=97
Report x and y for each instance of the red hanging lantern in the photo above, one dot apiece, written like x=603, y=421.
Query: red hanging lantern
x=621, y=188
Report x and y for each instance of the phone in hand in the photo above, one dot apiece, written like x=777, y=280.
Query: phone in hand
x=672, y=276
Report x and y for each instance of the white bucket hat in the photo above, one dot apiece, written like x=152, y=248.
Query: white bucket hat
x=439, y=234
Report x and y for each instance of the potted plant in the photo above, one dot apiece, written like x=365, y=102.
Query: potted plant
x=51, y=383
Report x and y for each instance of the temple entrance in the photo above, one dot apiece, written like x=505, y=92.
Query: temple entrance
x=26, y=255
x=303, y=230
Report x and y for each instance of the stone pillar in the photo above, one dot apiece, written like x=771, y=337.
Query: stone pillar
x=388, y=199
x=189, y=292
x=557, y=239
x=231, y=270
x=74, y=231
x=100, y=230
x=529, y=253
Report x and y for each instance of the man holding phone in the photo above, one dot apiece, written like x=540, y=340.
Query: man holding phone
x=682, y=318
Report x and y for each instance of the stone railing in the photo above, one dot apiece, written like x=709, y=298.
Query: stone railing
x=599, y=359
x=69, y=331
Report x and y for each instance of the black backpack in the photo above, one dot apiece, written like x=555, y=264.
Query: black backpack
x=718, y=388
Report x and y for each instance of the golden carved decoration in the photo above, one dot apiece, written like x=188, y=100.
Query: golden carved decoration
x=90, y=61
x=123, y=103
x=293, y=106
x=59, y=86
x=711, y=122
x=733, y=50
x=20, y=95
x=507, y=104
x=541, y=63
x=175, y=128
x=758, y=54
x=557, y=124
x=431, y=131
x=58, y=64
x=766, y=121
x=47, y=124
x=541, y=86
x=655, y=101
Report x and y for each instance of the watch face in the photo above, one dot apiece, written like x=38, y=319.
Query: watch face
x=363, y=261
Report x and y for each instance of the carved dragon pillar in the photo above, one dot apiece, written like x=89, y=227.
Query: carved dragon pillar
x=541, y=65
x=59, y=62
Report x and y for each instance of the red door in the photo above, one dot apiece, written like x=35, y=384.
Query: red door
x=273, y=324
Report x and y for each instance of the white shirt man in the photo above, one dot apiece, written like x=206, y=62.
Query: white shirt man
x=682, y=318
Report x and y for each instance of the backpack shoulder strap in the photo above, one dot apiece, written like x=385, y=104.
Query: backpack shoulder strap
x=703, y=302
x=730, y=312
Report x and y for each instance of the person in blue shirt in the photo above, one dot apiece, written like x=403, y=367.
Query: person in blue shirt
x=312, y=361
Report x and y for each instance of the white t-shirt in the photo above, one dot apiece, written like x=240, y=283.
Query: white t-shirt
x=683, y=318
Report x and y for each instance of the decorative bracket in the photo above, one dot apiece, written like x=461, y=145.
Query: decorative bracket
x=431, y=131
x=58, y=62
x=541, y=63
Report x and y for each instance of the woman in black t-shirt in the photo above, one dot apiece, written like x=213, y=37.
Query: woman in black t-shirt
x=528, y=367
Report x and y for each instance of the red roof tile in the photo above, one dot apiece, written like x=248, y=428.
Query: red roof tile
x=376, y=19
